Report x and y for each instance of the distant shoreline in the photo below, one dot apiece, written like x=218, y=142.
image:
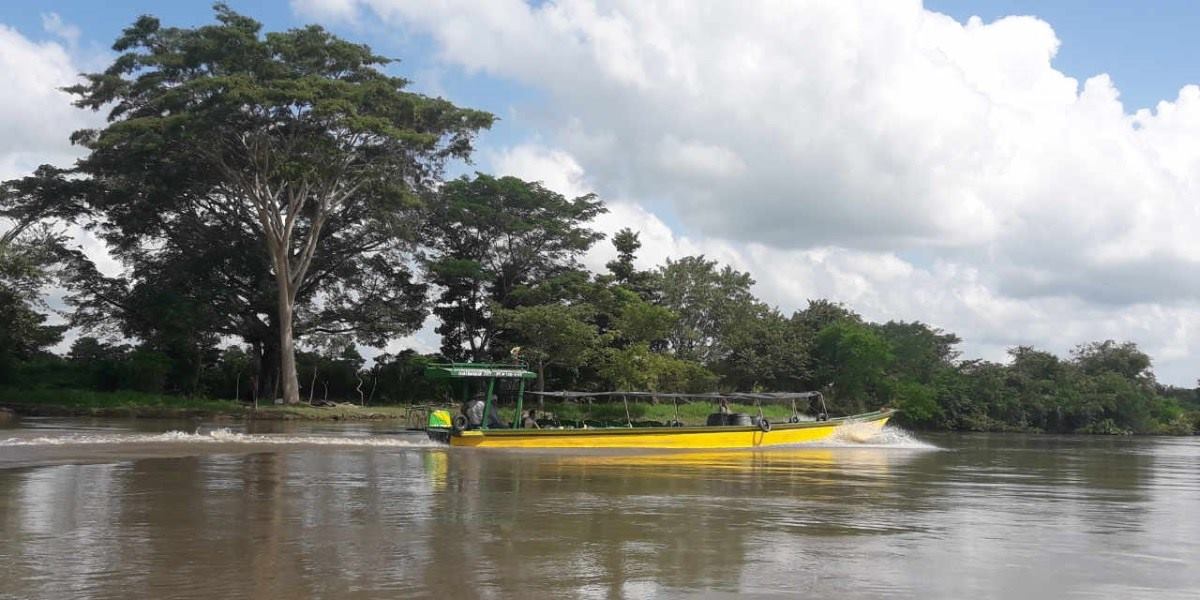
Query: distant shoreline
x=302, y=412
x=135, y=405
x=124, y=405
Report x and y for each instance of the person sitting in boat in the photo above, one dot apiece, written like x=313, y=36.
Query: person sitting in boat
x=530, y=420
x=473, y=410
x=723, y=406
x=494, y=421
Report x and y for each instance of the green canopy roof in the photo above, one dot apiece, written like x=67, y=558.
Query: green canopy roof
x=477, y=371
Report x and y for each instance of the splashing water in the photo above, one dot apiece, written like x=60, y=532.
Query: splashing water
x=852, y=435
x=218, y=436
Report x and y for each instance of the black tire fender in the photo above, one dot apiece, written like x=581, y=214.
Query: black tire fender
x=459, y=422
x=764, y=425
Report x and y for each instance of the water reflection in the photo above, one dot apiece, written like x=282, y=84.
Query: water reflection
x=663, y=520
x=990, y=516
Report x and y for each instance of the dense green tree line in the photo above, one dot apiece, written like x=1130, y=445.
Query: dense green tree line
x=276, y=203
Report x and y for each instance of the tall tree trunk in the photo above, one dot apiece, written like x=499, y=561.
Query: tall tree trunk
x=312, y=386
x=287, y=348
x=267, y=355
x=279, y=209
x=197, y=371
x=374, y=382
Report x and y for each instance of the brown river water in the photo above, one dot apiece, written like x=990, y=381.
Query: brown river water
x=149, y=509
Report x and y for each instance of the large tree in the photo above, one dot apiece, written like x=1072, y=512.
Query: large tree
x=820, y=314
x=296, y=139
x=30, y=250
x=853, y=360
x=708, y=301
x=1124, y=359
x=920, y=351
x=550, y=335
x=622, y=270
x=763, y=350
x=489, y=237
x=220, y=280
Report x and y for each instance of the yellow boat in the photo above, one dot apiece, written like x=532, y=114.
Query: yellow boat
x=676, y=438
x=478, y=427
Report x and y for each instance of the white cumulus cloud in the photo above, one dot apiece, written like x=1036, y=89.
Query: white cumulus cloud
x=38, y=117
x=53, y=23
x=878, y=153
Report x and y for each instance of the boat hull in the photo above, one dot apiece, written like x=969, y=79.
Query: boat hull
x=679, y=438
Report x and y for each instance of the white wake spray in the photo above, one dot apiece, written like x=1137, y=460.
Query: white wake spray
x=220, y=436
x=852, y=436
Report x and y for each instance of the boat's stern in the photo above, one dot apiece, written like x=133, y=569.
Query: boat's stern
x=439, y=426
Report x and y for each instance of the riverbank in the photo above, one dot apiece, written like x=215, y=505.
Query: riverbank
x=129, y=404
x=126, y=404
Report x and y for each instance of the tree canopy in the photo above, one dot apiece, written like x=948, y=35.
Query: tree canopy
x=31, y=250
x=487, y=237
x=296, y=142
x=707, y=299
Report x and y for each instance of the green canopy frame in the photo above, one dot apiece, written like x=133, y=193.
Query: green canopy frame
x=465, y=373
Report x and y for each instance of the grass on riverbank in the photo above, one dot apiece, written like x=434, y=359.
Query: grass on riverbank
x=88, y=399
x=125, y=403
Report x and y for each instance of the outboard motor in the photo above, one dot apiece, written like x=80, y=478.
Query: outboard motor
x=439, y=425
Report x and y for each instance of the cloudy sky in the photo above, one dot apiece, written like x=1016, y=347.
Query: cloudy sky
x=1012, y=172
